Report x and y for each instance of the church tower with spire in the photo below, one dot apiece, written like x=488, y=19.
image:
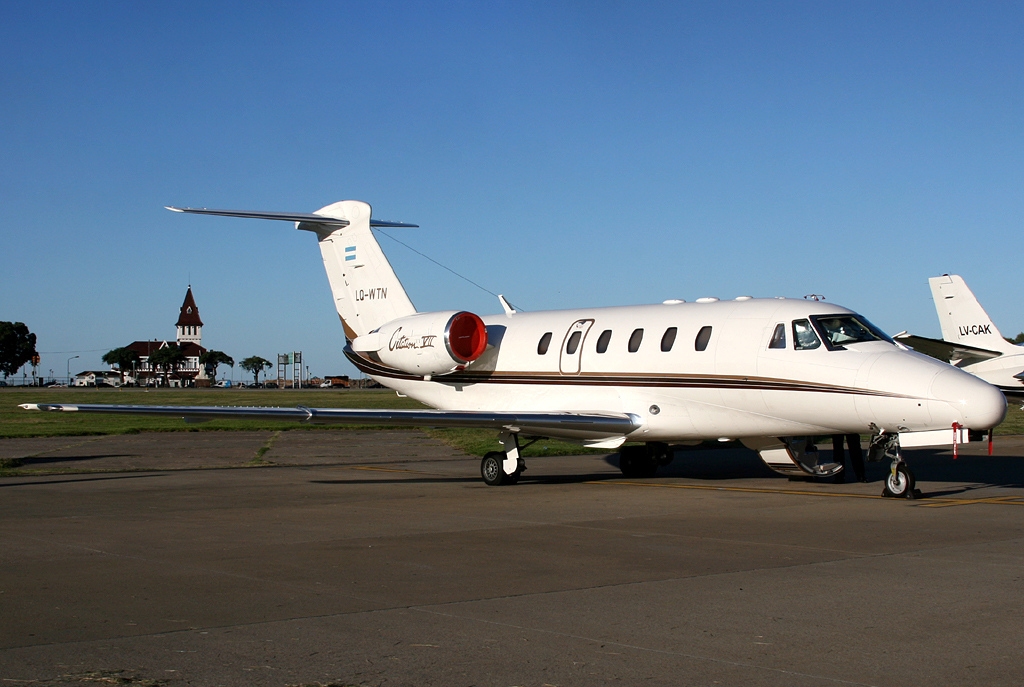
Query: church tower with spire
x=190, y=327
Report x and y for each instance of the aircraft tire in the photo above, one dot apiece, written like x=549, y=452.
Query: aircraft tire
x=490, y=469
x=634, y=462
x=899, y=484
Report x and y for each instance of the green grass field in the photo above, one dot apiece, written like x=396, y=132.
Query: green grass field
x=15, y=422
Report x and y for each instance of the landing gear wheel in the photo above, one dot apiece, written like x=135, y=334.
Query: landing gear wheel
x=900, y=482
x=490, y=470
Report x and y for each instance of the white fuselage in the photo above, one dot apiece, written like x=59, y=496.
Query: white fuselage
x=737, y=386
x=1005, y=372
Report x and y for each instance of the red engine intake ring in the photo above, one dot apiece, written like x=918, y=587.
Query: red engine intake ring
x=465, y=336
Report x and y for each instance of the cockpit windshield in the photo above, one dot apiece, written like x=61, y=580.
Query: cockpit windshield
x=842, y=330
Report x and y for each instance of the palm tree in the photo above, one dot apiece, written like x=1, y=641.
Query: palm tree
x=255, y=365
x=124, y=358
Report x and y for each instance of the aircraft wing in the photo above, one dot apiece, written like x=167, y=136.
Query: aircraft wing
x=571, y=425
x=946, y=351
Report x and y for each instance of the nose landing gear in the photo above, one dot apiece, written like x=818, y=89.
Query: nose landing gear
x=900, y=481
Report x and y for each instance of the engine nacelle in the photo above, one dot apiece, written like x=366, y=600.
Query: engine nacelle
x=434, y=343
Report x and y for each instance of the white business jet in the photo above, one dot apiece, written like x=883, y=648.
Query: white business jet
x=772, y=373
x=969, y=339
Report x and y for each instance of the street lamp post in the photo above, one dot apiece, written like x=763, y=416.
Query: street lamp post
x=69, y=367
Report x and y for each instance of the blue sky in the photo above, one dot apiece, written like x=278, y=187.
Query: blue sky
x=564, y=154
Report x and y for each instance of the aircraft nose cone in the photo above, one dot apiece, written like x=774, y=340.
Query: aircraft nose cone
x=979, y=404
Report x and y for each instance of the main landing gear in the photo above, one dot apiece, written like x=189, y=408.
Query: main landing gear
x=492, y=472
x=644, y=461
x=503, y=467
x=900, y=481
x=506, y=467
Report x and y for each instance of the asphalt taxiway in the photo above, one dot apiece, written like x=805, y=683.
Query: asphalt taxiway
x=380, y=558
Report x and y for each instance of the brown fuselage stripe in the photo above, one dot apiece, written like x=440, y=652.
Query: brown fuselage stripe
x=621, y=379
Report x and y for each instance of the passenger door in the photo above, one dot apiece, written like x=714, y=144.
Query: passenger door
x=572, y=347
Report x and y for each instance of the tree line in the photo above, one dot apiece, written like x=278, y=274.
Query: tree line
x=18, y=346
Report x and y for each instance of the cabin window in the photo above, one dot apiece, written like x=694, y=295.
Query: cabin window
x=635, y=339
x=778, y=337
x=573, y=343
x=667, y=339
x=542, y=345
x=804, y=338
x=603, y=340
x=703, y=337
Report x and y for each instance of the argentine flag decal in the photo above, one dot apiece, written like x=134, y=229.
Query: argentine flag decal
x=350, y=253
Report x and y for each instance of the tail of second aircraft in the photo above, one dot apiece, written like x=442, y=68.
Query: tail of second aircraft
x=962, y=318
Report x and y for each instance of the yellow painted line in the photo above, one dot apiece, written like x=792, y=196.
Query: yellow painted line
x=367, y=467
x=930, y=503
x=995, y=500
x=751, y=490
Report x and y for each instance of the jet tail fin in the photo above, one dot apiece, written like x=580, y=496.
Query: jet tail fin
x=962, y=318
x=367, y=292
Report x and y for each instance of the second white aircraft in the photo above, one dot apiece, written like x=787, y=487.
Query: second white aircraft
x=970, y=340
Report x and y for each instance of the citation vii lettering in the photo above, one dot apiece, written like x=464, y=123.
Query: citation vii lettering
x=398, y=340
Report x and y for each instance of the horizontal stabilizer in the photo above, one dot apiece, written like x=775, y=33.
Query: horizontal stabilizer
x=946, y=351
x=595, y=425
x=288, y=217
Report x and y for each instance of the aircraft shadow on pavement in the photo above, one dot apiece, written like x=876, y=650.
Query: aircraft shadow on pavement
x=454, y=479
x=43, y=460
x=929, y=465
x=969, y=472
x=91, y=478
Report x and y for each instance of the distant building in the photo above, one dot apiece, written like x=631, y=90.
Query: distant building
x=97, y=378
x=189, y=339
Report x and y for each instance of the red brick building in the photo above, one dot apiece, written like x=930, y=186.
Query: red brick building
x=189, y=339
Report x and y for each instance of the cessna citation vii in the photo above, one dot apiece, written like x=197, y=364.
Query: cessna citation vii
x=969, y=339
x=772, y=373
